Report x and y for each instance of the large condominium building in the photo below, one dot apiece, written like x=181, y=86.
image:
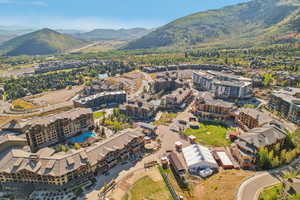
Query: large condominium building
x=223, y=85
x=207, y=106
x=179, y=98
x=166, y=82
x=139, y=110
x=47, y=170
x=245, y=149
x=44, y=131
x=101, y=99
x=249, y=118
x=287, y=103
x=184, y=67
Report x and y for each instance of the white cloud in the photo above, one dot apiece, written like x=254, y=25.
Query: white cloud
x=18, y=2
x=81, y=23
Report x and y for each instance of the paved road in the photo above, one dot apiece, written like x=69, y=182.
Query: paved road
x=250, y=189
x=168, y=139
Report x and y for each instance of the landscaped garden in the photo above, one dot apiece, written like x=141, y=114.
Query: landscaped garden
x=272, y=192
x=146, y=188
x=278, y=192
x=210, y=134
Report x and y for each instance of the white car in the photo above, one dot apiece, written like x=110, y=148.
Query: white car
x=206, y=172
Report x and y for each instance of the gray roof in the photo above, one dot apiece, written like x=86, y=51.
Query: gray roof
x=209, y=99
x=260, y=137
x=289, y=95
x=96, y=96
x=262, y=117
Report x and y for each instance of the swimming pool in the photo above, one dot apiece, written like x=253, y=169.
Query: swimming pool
x=82, y=138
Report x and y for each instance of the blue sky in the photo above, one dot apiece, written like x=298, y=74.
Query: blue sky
x=90, y=14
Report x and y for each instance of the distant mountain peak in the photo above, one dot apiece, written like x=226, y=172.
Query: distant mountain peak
x=114, y=34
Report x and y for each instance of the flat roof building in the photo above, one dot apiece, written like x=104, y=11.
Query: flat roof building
x=223, y=85
x=287, y=102
x=100, y=99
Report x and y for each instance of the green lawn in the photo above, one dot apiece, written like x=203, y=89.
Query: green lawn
x=148, y=189
x=98, y=114
x=210, y=135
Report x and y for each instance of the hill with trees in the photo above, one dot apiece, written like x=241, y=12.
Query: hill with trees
x=41, y=42
x=257, y=22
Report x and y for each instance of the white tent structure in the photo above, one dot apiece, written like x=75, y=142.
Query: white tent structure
x=198, y=157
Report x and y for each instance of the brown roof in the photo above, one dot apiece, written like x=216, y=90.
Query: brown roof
x=174, y=160
x=64, y=162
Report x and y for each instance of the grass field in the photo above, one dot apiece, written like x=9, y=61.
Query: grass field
x=165, y=119
x=223, y=186
x=102, y=46
x=210, y=135
x=271, y=192
x=148, y=189
x=22, y=104
x=99, y=114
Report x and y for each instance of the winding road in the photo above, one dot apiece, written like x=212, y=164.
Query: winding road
x=251, y=188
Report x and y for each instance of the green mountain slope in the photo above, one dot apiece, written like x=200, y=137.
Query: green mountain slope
x=111, y=34
x=45, y=41
x=246, y=24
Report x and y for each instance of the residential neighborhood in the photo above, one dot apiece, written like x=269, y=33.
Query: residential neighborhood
x=150, y=100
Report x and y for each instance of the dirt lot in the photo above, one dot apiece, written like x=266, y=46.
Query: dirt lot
x=17, y=72
x=54, y=97
x=132, y=81
x=222, y=186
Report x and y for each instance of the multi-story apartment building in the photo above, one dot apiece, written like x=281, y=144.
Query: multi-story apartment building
x=44, y=131
x=101, y=99
x=249, y=118
x=99, y=87
x=223, y=85
x=245, y=149
x=287, y=103
x=179, y=99
x=184, y=67
x=166, y=82
x=139, y=110
x=46, y=170
x=207, y=106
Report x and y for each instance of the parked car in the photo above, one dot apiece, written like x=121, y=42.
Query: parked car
x=206, y=172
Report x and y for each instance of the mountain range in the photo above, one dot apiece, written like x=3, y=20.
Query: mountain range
x=256, y=22
x=41, y=42
x=112, y=34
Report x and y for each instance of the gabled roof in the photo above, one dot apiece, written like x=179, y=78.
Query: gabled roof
x=61, y=163
x=260, y=137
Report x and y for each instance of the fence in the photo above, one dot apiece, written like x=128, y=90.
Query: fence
x=169, y=185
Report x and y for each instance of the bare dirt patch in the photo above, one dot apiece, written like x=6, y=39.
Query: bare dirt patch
x=132, y=81
x=224, y=185
x=54, y=97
